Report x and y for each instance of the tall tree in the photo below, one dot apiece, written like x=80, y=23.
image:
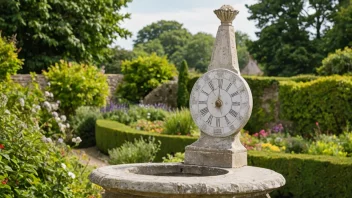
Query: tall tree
x=153, y=46
x=51, y=30
x=113, y=62
x=283, y=46
x=154, y=30
x=242, y=52
x=182, y=92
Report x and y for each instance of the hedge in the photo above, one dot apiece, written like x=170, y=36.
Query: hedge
x=111, y=134
x=327, y=100
x=307, y=175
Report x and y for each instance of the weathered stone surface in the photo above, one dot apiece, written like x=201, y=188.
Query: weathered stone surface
x=177, y=180
x=164, y=94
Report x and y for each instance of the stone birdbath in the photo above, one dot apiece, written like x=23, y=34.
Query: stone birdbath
x=216, y=164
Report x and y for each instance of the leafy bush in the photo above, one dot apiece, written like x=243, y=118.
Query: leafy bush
x=83, y=124
x=178, y=157
x=77, y=85
x=182, y=92
x=9, y=62
x=180, y=122
x=326, y=101
x=31, y=164
x=139, y=151
x=111, y=134
x=148, y=126
x=142, y=75
x=339, y=62
x=307, y=175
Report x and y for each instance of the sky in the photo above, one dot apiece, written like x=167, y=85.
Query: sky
x=195, y=15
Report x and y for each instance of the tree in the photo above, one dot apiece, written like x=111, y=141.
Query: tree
x=339, y=62
x=199, y=50
x=9, y=61
x=113, y=62
x=182, y=92
x=51, y=30
x=242, y=52
x=153, y=46
x=154, y=30
x=174, y=40
x=283, y=47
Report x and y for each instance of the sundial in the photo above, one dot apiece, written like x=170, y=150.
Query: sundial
x=221, y=103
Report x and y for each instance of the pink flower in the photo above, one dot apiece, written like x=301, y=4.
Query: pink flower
x=256, y=134
x=263, y=133
x=2, y=146
x=317, y=123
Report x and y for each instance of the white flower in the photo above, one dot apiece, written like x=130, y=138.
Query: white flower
x=48, y=84
x=78, y=140
x=55, y=114
x=47, y=94
x=57, y=119
x=47, y=106
x=3, y=100
x=58, y=102
x=55, y=107
x=49, y=140
x=63, y=165
x=63, y=118
x=67, y=125
x=74, y=140
x=7, y=112
x=51, y=95
x=60, y=141
x=37, y=107
x=21, y=102
x=71, y=174
x=44, y=139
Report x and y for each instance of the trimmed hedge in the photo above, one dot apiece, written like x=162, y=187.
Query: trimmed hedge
x=327, y=100
x=307, y=175
x=111, y=134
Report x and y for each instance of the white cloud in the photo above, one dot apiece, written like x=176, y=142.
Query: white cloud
x=195, y=20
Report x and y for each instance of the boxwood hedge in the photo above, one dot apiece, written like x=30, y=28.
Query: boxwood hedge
x=111, y=134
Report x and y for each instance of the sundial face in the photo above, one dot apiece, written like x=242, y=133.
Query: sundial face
x=221, y=103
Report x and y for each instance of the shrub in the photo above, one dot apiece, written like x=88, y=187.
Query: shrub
x=307, y=175
x=9, y=62
x=139, y=151
x=77, y=85
x=339, y=62
x=110, y=134
x=182, y=92
x=325, y=101
x=31, y=164
x=178, y=157
x=83, y=124
x=142, y=75
x=180, y=122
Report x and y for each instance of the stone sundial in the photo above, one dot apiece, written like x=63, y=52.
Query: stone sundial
x=216, y=164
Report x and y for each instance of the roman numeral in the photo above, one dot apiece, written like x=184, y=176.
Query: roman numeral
x=204, y=111
x=228, y=87
x=233, y=113
x=234, y=94
x=210, y=119
x=217, y=131
x=242, y=89
x=227, y=120
x=217, y=122
x=205, y=93
x=202, y=102
x=236, y=103
x=220, y=82
x=232, y=128
x=211, y=85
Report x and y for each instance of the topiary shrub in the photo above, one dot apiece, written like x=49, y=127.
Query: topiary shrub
x=140, y=151
x=182, y=92
x=339, y=62
x=76, y=85
x=9, y=62
x=180, y=122
x=83, y=125
x=142, y=75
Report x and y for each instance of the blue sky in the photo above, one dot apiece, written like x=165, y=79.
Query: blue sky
x=196, y=15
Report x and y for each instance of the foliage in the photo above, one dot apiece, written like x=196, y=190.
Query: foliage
x=198, y=51
x=142, y=75
x=180, y=122
x=306, y=175
x=321, y=147
x=112, y=64
x=339, y=62
x=52, y=30
x=153, y=46
x=31, y=164
x=140, y=151
x=135, y=113
x=242, y=52
x=149, y=126
x=182, y=92
x=83, y=124
x=111, y=134
x=308, y=104
x=175, y=40
x=285, y=46
x=178, y=157
x=76, y=85
x=9, y=61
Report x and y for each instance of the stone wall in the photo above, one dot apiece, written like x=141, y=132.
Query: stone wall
x=165, y=94
x=25, y=79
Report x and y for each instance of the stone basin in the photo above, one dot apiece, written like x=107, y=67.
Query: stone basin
x=177, y=180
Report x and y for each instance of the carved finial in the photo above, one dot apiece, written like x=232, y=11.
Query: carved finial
x=226, y=14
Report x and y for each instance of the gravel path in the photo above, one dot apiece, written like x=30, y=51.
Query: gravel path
x=92, y=156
